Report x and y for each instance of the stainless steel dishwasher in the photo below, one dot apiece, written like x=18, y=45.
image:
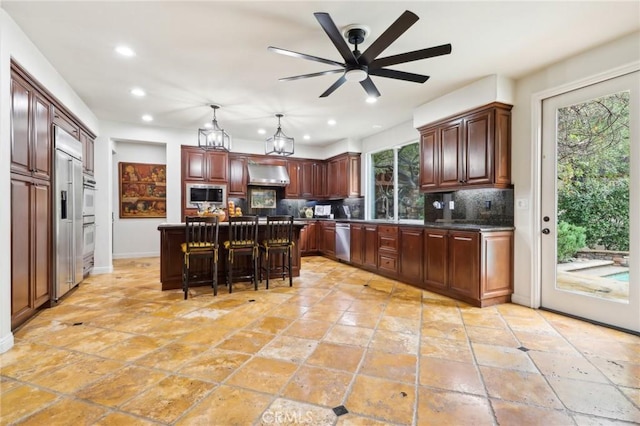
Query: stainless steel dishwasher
x=343, y=241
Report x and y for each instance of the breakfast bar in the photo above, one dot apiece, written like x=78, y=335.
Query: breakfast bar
x=172, y=235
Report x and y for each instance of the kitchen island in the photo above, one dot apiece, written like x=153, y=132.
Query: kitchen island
x=172, y=235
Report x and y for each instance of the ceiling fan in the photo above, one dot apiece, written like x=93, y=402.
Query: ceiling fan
x=360, y=66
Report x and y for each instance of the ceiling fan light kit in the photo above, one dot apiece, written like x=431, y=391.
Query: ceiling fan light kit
x=213, y=137
x=360, y=66
x=279, y=143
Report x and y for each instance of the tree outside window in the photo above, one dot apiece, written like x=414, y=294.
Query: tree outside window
x=396, y=186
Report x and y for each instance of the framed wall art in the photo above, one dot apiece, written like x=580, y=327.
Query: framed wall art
x=143, y=190
x=263, y=199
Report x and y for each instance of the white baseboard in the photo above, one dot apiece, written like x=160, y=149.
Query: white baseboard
x=101, y=270
x=136, y=255
x=6, y=342
x=521, y=300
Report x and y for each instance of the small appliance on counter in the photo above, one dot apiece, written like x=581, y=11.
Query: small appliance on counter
x=322, y=211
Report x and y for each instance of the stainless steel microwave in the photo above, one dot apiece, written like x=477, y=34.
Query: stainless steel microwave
x=196, y=193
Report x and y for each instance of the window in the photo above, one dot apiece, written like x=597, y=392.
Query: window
x=395, y=177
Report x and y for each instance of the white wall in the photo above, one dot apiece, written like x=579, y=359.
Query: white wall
x=14, y=44
x=525, y=148
x=493, y=88
x=135, y=237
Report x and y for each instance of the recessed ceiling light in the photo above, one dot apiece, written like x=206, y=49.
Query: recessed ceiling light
x=372, y=100
x=125, y=51
x=147, y=117
x=377, y=126
x=262, y=131
x=306, y=137
x=136, y=91
x=331, y=122
x=208, y=125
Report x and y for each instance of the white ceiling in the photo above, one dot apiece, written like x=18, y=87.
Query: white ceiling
x=192, y=54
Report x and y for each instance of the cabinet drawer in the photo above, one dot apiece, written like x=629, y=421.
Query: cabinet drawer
x=388, y=243
x=387, y=263
x=388, y=229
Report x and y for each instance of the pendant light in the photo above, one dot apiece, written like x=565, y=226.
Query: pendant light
x=279, y=143
x=213, y=137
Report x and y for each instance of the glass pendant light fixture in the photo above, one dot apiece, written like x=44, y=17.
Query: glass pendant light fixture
x=213, y=137
x=279, y=143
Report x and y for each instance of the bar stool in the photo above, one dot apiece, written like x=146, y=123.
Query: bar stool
x=279, y=239
x=243, y=241
x=201, y=241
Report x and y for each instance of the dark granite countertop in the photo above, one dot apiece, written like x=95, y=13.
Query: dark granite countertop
x=462, y=226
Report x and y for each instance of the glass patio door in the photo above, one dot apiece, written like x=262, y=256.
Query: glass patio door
x=590, y=206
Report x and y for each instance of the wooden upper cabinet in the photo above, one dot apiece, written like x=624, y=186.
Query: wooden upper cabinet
x=450, y=154
x=206, y=166
x=63, y=121
x=306, y=179
x=217, y=166
x=193, y=164
x=293, y=189
x=30, y=131
x=469, y=150
x=319, y=180
x=237, y=176
x=20, y=126
x=428, y=160
x=344, y=175
x=478, y=155
x=88, y=149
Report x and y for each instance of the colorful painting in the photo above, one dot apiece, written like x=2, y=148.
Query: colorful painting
x=263, y=198
x=143, y=190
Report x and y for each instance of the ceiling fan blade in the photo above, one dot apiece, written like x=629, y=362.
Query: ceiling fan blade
x=369, y=87
x=402, y=24
x=416, y=55
x=400, y=75
x=315, y=74
x=332, y=31
x=304, y=56
x=333, y=87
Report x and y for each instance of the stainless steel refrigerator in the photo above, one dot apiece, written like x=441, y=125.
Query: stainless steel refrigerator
x=68, y=195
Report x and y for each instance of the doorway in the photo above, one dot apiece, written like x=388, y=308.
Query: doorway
x=590, y=202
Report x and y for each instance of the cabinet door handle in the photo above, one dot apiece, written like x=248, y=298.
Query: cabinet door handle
x=463, y=238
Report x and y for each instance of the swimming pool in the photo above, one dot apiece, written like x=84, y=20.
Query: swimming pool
x=620, y=276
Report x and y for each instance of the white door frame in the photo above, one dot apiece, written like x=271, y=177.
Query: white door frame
x=536, y=170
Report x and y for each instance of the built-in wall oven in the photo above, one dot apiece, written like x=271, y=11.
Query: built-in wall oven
x=88, y=223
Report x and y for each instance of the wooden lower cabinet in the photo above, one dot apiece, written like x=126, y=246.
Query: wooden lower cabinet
x=30, y=247
x=410, y=260
x=309, y=239
x=328, y=238
x=357, y=244
x=464, y=255
x=436, y=249
x=476, y=267
x=370, y=256
x=473, y=266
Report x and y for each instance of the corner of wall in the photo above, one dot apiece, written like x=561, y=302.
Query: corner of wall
x=6, y=342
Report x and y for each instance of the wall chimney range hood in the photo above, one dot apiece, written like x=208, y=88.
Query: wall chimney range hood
x=267, y=175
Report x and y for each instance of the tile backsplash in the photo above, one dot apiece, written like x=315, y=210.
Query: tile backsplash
x=486, y=206
x=295, y=207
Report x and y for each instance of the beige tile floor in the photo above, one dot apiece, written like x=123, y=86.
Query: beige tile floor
x=118, y=351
